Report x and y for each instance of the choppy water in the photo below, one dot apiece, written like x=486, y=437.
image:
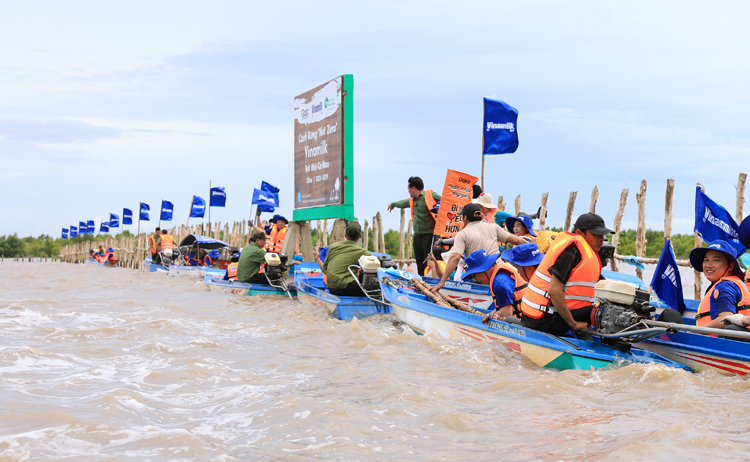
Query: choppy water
x=118, y=365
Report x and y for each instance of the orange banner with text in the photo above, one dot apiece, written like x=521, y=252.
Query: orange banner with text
x=457, y=192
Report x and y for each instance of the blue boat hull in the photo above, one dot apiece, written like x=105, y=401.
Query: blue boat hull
x=213, y=278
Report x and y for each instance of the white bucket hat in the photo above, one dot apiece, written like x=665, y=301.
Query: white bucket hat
x=484, y=200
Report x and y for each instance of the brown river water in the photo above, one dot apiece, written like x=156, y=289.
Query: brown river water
x=119, y=365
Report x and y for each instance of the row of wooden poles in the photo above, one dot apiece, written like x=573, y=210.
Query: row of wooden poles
x=131, y=250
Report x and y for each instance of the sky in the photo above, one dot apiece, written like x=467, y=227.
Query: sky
x=107, y=104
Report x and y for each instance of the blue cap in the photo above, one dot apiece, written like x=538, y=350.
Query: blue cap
x=276, y=218
x=479, y=262
x=744, y=232
x=699, y=253
x=523, y=255
x=213, y=253
x=526, y=221
x=500, y=217
x=110, y=249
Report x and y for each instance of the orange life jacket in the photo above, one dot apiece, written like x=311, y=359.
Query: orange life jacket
x=166, y=242
x=490, y=218
x=99, y=257
x=428, y=200
x=152, y=243
x=208, y=261
x=192, y=259
x=520, y=282
x=232, y=271
x=110, y=257
x=275, y=240
x=442, y=266
x=704, y=308
x=579, y=290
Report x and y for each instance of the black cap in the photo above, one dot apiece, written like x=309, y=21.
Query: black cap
x=471, y=212
x=258, y=235
x=353, y=230
x=592, y=222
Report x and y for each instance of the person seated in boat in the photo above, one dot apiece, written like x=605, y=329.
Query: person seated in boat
x=560, y=295
x=252, y=257
x=341, y=255
x=521, y=226
x=275, y=234
x=435, y=263
x=100, y=255
x=211, y=258
x=192, y=257
x=231, y=272
x=296, y=260
x=507, y=278
x=110, y=257
x=726, y=296
x=484, y=201
x=474, y=236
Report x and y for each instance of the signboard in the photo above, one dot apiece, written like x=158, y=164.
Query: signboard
x=323, y=168
x=457, y=192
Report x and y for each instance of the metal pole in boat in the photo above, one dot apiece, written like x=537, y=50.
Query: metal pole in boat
x=209, y=207
x=139, y=218
x=191, y=210
x=162, y=207
x=700, y=330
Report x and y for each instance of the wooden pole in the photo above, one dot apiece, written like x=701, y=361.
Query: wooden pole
x=375, y=234
x=518, y=205
x=594, y=199
x=640, y=237
x=618, y=220
x=319, y=239
x=698, y=274
x=366, y=235
x=543, y=211
x=569, y=212
x=740, y=196
x=325, y=232
x=668, y=210
x=501, y=204
x=402, y=236
x=381, y=239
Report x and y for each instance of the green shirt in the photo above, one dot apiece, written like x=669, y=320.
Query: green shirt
x=340, y=256
x=251, y=258
x=424, y=222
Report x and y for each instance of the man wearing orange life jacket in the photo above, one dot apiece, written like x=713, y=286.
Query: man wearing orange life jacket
x=421, y=203
x=166, y=240
x=560, y=295
x=276, y=234
x=154, y=244
x=110, y=257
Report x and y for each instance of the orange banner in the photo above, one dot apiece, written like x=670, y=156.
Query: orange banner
x=457, y=192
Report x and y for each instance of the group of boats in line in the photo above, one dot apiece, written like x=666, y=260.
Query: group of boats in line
x=645, y=341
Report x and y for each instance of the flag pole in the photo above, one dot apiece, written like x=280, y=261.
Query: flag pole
x=140, y=204
x=162, y=208
x=191, y=210
x=209, y=206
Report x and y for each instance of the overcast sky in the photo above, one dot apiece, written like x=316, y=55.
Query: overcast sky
x=105, y=104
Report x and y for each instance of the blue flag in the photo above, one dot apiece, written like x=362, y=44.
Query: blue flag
x=91, y=227
x=104, y=227
x=713, y=222
x=65, y=233
x=197, y=208
x=127, y=217
x=268, y=187
x=73, y=231
x=667, y=282
x=114, y=221
x=144, y=211
x=266, y=201
x=82, y=226
x=218, y=197
x=166, y=210
x=499, y=134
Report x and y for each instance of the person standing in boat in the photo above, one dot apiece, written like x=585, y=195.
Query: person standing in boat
x=340, y=256
x=560, y=295
x=154, y=243
x=421, y=203
x=475, y=235
x=275, y=234
x=166, y=240
x=484, y=201
x=249, y=267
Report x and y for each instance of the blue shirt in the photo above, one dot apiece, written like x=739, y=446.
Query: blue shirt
x=729, y=297
x=504, y=287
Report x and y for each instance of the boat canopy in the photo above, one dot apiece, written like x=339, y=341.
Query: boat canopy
x=203, y=242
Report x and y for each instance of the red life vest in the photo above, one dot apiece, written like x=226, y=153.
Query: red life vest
x=428, y=200
x=520, y=282
x=152, y=243
x=275, y=240
x=579, y=290
x=704, y=308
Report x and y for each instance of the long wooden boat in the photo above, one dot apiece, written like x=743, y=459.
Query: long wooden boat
x=214, y=279
x=92, y=262
x=150, y=267
x=311, y=289
x=545, y=350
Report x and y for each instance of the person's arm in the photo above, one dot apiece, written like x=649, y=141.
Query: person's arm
x=724, y=305
x=450, y=267
x=717, y=322
x=504, y=236
x=436, y=196
x=557, y=295
x=320, y=263
x=402, y=204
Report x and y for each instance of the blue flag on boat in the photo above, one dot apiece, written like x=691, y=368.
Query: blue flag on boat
x=104, y=227
x=499, y=134
x=218, y=197
x=65, y=233
x=114, y=221
x=73, y=231
x=144, y=211
x=667, y=282
x=197, y=208
x=166, y=210
x=127, y=217
x=713, y=222
x=91, y=227
x=82, y=226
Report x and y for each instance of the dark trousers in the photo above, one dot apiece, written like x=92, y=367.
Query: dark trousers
x=259, y=278
x=421, y=245
x=554, y=323
x=156, y=258
x=351, y=290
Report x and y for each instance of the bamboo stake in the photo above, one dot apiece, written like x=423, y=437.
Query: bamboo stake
x=381, y=239
x=501, y=204
x=698, y=274
x=668, y=210
x=325, y=232
x=618, y=220
x=543, y=211
x=318, y=240
x=640, y=237
x=366, y=235
x=594, y=199
x=518, y=205
x=375, y=239
x=569, y=212
x=740, y=196
x=442, y=300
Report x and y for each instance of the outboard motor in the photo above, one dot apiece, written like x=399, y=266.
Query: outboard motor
x=166, y=257
x=621, y=305
x=607, y=251
x=274, y=268
x=386, y=262
x=367, y=276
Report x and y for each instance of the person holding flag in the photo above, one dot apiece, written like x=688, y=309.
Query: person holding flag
x=276, y=234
